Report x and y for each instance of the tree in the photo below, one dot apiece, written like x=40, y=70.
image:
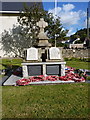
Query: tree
x=33, y=14
x=25, y=35
x=16, y=40
x=55, y=29
x=28, y=18
x=82, y=34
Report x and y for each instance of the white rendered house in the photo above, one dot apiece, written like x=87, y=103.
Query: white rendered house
x=9, y=11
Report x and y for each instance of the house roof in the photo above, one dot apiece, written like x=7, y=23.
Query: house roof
x=9, y=7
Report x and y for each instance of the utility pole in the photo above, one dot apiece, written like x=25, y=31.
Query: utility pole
x=55, y=16
x=87, y=22
x=88, y=16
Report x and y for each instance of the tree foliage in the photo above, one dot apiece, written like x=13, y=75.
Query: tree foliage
x=15, y=40
x=55, y=29
x=25, y=35
x=82, y=34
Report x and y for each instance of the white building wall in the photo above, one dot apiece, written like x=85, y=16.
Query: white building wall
x=76, y=45
x=6, y=23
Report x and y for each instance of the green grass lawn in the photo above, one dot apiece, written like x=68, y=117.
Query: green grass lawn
x=51, y=101
x=47, y=101
x=5, y=63
x=78, y=64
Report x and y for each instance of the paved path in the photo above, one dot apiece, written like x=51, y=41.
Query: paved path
x=2, y=80
x=12, y=80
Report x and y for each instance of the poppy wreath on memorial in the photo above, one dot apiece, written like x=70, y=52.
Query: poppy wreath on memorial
x=52, y=78
x=23, y=81
x=70, y=75
x=37, y=78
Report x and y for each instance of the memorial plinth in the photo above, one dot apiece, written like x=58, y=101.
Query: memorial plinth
x=44, y=60
x=43, y=68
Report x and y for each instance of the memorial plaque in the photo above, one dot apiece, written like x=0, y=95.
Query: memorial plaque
x=32, y=54
x=54, y=53
x=53, y=70
x=34, y=70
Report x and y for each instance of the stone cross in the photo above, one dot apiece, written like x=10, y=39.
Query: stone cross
x=42, y=24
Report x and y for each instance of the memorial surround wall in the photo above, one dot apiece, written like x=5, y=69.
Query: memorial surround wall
x=76, y=53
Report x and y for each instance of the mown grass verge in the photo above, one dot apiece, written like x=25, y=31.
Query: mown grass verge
x=51, y=101
x=78, y=64
x=10, y=63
